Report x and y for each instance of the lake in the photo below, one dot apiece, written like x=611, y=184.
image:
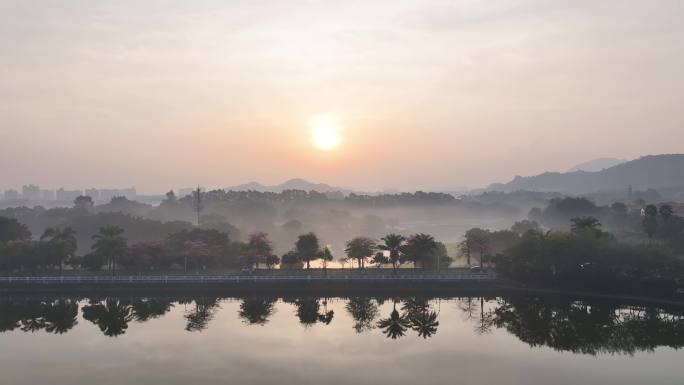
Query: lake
x=361, y=340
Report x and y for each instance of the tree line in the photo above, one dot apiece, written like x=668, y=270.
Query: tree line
x=199, y=249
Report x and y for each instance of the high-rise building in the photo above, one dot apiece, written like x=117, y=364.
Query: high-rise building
x=93, y=193
x=47, y=195
x=11, y=195
x=31, y=192
x=68, y=196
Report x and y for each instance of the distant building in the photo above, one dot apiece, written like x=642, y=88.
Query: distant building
x=107, y=194
x=31, y=192
x=93, y=193
x=47, y=195
x=68, y=195
x=11, y=195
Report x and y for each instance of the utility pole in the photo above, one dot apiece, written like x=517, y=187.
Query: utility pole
x=198, y=203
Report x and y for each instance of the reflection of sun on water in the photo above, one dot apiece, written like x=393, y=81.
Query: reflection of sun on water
x=326, y=135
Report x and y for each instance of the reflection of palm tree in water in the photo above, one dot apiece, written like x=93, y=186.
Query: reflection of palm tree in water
x=60, y=316
x=112, y=316
x=33, y=320
x=395, y=325
x=421, y=318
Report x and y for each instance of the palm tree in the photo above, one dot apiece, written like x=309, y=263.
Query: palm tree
x=393, y=243
x=396, y=325
x=110, y=243
x=360, y=248
x=63, y=242
x=419, y=248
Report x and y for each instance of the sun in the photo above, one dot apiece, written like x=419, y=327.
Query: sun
x=325, y=133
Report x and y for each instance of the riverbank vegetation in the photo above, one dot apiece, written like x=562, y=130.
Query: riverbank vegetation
x=645, y=258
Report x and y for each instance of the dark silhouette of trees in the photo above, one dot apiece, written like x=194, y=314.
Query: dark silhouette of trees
x=201, y=314
x=650, y=220
x=420, y=248
x=257, y=310
x=360, y=248
x=145, y=309
x=307, y=248
x=111, y=244
x=83, y=202
x=585, y=223
x=363, y=311
x=111, y=316
x=396, y=325
x=12, y=230
x=393, y=244
x=62, y=244
x=521, y=227
x=309, y=312
x=475, y=240
x=259, y=249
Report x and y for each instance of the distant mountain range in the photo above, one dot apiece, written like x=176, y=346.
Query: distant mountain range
x=648, y=172
x=597, y=164
x=292, y=184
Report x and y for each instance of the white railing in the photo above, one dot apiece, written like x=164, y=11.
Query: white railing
x=166, y=279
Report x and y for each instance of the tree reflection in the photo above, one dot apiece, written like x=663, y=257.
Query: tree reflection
x=309, y=311
x=589, y=327
x=364, y=312
x=396, y=325
x=60, y=316
x=145, y=309
x=256, y=311
x=111, y=316
x=203, y=312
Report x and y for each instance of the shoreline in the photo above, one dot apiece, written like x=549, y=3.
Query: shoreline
x=326, y=287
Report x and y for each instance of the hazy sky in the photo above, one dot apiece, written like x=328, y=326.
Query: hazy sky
x=429, y=95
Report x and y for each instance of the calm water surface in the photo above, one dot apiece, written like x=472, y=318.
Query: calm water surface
x=306, y=340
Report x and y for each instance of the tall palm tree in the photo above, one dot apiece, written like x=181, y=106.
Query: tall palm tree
x=393, y=243
x=63, y=242
x=419, y=248
x=110, y=243
x=396, y=325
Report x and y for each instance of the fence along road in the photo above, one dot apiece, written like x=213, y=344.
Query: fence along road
x=233, y=278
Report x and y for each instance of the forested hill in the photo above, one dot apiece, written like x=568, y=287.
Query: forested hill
x=648, y=172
